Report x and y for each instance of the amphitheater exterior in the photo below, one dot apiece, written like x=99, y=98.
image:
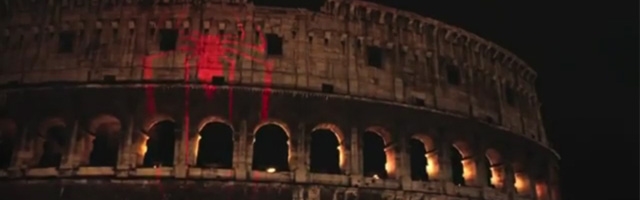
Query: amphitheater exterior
x=227, y=99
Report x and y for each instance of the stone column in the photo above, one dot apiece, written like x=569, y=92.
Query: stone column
x=300, y=157
x=67, y=157
x=20, y=154
x=125, y=160
x=403, y=167
x=509, y=180
x=241, y=152
x=355, y=154
x=445, y=162
x=481, y=173
x=180, y=152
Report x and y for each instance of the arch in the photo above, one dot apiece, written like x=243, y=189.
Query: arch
x=160, y=144
x=342, y=162
x=495, y=168
x=461, y=153
x=214, y=144
x=142, y=138
x=103, y=141
x=213, y=119
x=522, y=182
x=542, y=190
x=375, y=138
x=102, y=120
x=8, y=130
x=271, y=147
x=48, y=123
x=418, y=160
x=433, y=161
x=390, y=154
x=55, y=134
x=149, y=122
x=325, y=154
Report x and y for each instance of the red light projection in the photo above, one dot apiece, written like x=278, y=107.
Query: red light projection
x=211, y=53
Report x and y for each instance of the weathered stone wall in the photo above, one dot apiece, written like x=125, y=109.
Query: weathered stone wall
x=328, y=47
x=493, y=105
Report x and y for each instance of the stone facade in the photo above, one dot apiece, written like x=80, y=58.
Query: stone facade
x=350, y=67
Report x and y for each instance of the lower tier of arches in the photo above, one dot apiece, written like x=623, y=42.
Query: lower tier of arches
x=292, y=138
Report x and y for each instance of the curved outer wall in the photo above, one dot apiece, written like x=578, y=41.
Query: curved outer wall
x=492, y=105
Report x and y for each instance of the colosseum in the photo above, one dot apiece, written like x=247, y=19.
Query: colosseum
x=230, y=99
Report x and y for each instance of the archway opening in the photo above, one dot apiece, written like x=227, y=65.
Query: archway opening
x=271, y=149
x=374, y=156
x=324, y=154
x=7, y=142
x=489, y=174
x=521, y=182
x=215, y=146
x=542, y=191
x=419, y=163
x=457, y=170
x=53, y=147
x=160, y=145
x=105, y=146
x=494, y=169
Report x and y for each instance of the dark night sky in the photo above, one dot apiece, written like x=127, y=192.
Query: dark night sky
x=586, y=55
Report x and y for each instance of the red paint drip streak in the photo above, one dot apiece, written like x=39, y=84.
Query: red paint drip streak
x=208, y=53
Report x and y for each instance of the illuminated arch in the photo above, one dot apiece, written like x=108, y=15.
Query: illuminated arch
x=202, y=126
x=390, y=154
x=283, y=127
x=102, y=141
x=143, y=136
x=468, y=163
x=433, y=163
x=339, y=137
x=496, y=167
x=149, y=122
x=213, y=119
x=522, y=182
x=542, y=190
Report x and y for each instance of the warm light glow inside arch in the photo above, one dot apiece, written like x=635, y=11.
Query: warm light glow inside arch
x=433, y=164
x=283, y=126
x=390, y=154
x=496, y=167
x=542, y=191
x=340, y=137
x=522, y=182
x=468, y=163
x=147, y=125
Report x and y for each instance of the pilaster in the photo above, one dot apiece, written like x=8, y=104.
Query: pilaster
x=356, y=154
x=242, y=152
x=300, y=157
x=445, y=162
x=67, y=157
